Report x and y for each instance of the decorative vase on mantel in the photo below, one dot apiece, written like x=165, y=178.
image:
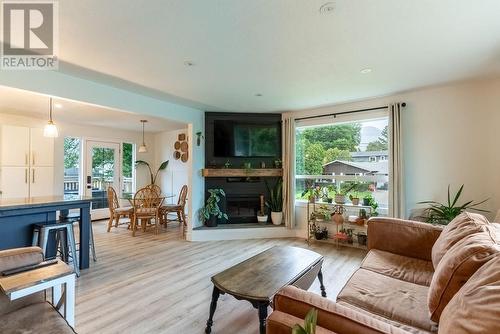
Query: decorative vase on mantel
x=277, y=217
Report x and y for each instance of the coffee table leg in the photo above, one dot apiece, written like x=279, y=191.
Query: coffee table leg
x=320, y=278
x=213, y=305
x=262, y=307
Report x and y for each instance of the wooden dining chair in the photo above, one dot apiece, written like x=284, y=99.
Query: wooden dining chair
x=178, y=208
x=155, y=188
x=115, y=211
x=147, y=205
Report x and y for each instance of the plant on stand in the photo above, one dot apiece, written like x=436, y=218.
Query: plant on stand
x=275, y=203
x=442, y=214
x=211, y=212
x=163, y=166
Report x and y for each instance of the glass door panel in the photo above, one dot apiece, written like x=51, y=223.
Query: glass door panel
x=103, y=171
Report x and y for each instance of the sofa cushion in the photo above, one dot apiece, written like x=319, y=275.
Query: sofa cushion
x=476, y=307
x=401, y=267
x=461, y=261
x=463, y=225
x=403, y=303
x=35, y=318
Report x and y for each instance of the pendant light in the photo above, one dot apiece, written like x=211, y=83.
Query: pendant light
x=50, y=129
x=143, y=148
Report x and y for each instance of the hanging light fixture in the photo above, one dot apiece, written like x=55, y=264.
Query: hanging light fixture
x=50, y=129
x=143, y=148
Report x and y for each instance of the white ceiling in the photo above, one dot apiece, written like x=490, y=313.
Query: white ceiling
x=283, y=49
x=23, y=103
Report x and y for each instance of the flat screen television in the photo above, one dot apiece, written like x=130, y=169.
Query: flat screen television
x=243, y=139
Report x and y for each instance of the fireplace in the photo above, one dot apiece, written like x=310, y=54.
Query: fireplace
x=242, y=209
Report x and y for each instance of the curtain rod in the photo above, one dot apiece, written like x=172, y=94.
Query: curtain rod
x=347, y=112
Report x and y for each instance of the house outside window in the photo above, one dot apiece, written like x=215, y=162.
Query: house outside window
x=344, y=156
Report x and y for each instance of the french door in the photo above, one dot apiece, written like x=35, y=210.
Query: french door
x=102, y=170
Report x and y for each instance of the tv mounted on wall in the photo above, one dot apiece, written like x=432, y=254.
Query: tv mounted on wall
x=244, y=139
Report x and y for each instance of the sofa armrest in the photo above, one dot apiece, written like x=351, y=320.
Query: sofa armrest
x=403, y=237
x=20, y=257
x=15, y=258
x=331, y=316
x=282, y=323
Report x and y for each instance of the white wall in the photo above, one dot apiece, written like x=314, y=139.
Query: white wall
x=80, y=131
x=176, y=174
x=449, y=137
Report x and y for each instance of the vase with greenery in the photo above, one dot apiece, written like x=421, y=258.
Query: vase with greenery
x=154, y=176
x=211, y=212
x=342, y=192
x=310, y=322
x=275, y=202
x=444, y=213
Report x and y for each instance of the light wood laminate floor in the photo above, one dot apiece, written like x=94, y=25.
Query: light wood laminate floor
x=161, y=284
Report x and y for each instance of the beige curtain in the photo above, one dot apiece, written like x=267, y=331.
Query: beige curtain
x=396, y=190
x=288, y=171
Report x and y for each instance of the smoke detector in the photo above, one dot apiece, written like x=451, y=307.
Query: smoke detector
x=327, y=8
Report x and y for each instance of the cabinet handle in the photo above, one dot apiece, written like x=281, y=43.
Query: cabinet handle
x=33, y=159
x=26, y=175
x=33, y=175
x=26, y=159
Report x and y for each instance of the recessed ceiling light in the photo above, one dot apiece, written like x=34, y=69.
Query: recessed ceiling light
x=327, y=8
x=58, y=105
x=188, y=63
x=366, y=71
x=258, y=94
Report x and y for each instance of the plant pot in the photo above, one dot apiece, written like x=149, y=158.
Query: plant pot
x=262, y=219
x=340, y=199
x=311, y=199
x=277, y=217
x=318, y=235
x=329, y=200
x=362, y=239
x=366, y=201
x=337, y=218
x=355, y=201
x=211, y=222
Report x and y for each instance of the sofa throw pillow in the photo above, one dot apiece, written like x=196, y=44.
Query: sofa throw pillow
x=461, y=261
x=475, y=308
x=464, y=224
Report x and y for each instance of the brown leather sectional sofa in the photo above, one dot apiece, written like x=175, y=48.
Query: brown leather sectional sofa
x=416, y=278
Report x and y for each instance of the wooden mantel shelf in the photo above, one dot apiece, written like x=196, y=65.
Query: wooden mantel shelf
x=241, y=172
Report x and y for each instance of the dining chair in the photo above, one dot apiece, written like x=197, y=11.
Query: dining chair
x=115, y=211
x=146, y=205
x=178, y=208
x=155, y=188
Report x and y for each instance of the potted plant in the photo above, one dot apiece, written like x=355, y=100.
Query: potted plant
x=366, y=199
x=163, y=166
x=309, y=324
x=261, y=215
x=275, y=203
x=340, y=194
x=442, y=214
x=350, y=239
x=354, y=197
x=211, y=212
x=362, y=238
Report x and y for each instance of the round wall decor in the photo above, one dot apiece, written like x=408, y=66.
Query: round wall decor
x=181, y=147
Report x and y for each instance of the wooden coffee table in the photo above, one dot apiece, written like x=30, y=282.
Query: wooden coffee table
x=260, y=277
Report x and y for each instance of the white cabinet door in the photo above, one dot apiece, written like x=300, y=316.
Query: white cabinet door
x=42, y=149
x=14, y=145
x=41, y=181
x=14, y=182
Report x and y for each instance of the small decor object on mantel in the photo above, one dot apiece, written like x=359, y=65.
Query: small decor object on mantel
x=199, y=137
x=275, y=203
x=278, y=163
x=262, y=164
x=211, y=212
x=261, y=215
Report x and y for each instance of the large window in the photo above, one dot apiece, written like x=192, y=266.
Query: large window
x=72, y=153
x=349, y=158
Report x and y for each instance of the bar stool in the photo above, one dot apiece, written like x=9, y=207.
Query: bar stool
x=64, y=235
x=74, y=218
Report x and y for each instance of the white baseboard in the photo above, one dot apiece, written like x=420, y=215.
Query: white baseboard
x=242, y=233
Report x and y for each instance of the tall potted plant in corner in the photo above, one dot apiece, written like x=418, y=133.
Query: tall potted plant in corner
x=153, y=177
x=275, y=203
x=211, y=212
